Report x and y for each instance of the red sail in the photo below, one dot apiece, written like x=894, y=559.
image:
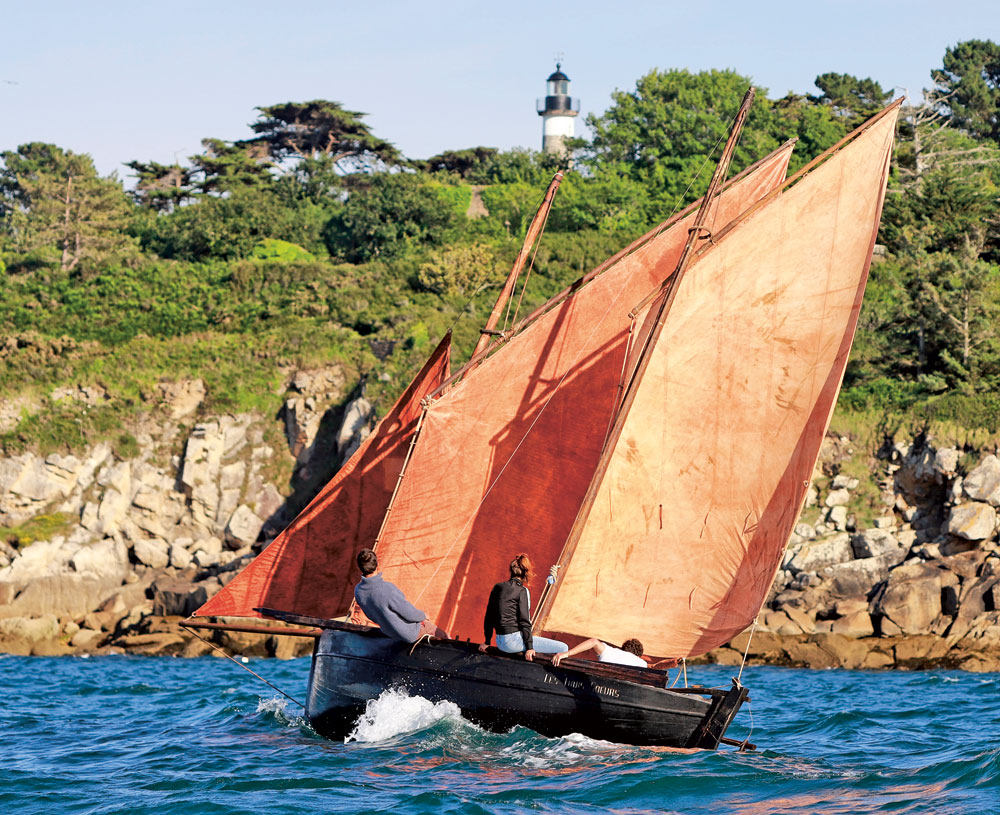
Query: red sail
x=505, y=455
x=309, y=568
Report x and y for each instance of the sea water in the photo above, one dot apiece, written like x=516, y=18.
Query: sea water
x=201, y=736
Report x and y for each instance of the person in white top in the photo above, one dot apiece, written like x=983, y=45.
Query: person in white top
x=629, y=654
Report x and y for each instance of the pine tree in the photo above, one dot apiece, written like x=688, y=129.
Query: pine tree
x=53, y=199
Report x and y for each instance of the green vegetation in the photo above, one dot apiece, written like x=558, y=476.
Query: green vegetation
x=39, y=528
x=313, y=238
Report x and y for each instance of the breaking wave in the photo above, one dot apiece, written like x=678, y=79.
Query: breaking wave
x=395, y=712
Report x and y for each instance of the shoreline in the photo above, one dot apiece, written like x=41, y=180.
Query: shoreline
x=978, y=651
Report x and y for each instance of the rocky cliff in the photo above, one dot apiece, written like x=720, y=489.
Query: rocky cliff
x=142, y=541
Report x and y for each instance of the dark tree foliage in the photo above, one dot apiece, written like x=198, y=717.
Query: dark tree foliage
x=473, y=163
x=299, y=130
x=225, y=167
x=387, y=214
x=970, y=81
x=487, y=165
x=161, y=187
x=851, y=99
x=229, y=227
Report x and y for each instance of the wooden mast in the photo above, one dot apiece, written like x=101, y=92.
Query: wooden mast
x=489, y=330
x=666, y=301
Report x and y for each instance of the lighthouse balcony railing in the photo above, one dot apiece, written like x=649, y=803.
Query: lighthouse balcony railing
x=557, y=104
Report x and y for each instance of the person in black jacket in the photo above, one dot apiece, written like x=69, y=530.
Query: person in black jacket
x=508, y=612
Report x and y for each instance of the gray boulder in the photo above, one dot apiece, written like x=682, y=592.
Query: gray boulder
x=837, y=498
x=30, y=629
x=837, y=517
x=973, y=521
x=172, y=596
x=355, y=427
x=152, y=553
x=106, y=559
x=817, y=554
x=856, y=578
x=243, y=528
x=877, y=543
x=180, y=557
x=946, y=461
x=983, y=483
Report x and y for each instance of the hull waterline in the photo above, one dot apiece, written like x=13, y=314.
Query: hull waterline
x=499, y=692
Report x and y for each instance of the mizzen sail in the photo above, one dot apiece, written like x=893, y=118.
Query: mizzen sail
x=506, y=454
x=309, y=568
x=708, y=476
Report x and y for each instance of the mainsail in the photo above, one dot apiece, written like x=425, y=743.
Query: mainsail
x=505, y=455
x=709, y=473
x=309, y=568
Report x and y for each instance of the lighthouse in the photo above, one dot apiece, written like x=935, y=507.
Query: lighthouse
x=558, y=110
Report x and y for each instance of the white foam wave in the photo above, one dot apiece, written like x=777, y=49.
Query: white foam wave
x=395, y=712
x=278, y=708
x=569, y=750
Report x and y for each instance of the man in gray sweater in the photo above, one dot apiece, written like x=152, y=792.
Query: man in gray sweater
x=384, y=604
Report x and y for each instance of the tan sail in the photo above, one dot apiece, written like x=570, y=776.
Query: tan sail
x=709, y=474
x=506, y=454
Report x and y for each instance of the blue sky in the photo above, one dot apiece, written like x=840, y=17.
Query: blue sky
x=141, y=80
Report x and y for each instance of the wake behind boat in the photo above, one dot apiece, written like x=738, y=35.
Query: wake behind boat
x=650, y=432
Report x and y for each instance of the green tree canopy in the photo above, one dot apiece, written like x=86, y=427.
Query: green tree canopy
x=970, y=81
x=665, y=131
x=310, y=129
x=386, y=214
x=161, y=187
x=226, y=167
x=471, y=164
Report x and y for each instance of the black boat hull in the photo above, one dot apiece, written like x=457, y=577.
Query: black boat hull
x=498, y=692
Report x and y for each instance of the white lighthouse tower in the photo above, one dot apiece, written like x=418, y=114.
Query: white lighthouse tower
x=558, y=110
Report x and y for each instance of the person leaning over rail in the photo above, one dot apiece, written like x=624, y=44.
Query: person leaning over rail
x=629, y=654
x=386, y=606
x=508, y=612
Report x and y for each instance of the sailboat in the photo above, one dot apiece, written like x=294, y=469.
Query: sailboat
x=649, y=434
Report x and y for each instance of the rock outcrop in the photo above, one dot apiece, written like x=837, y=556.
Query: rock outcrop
x=152, y=536
x=919, y=588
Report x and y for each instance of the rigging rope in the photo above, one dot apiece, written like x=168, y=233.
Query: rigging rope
x=747, y=650
x=527, y=275
x=245, y=668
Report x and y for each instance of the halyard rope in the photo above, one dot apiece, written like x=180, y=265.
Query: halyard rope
x=527, y=275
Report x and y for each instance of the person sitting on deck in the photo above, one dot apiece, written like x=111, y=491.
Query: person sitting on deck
x=629, y=654
x=508, y=612
x=386, y=606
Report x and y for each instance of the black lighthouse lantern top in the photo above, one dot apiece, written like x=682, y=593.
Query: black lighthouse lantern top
x=558, y=83
x=557, y=98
